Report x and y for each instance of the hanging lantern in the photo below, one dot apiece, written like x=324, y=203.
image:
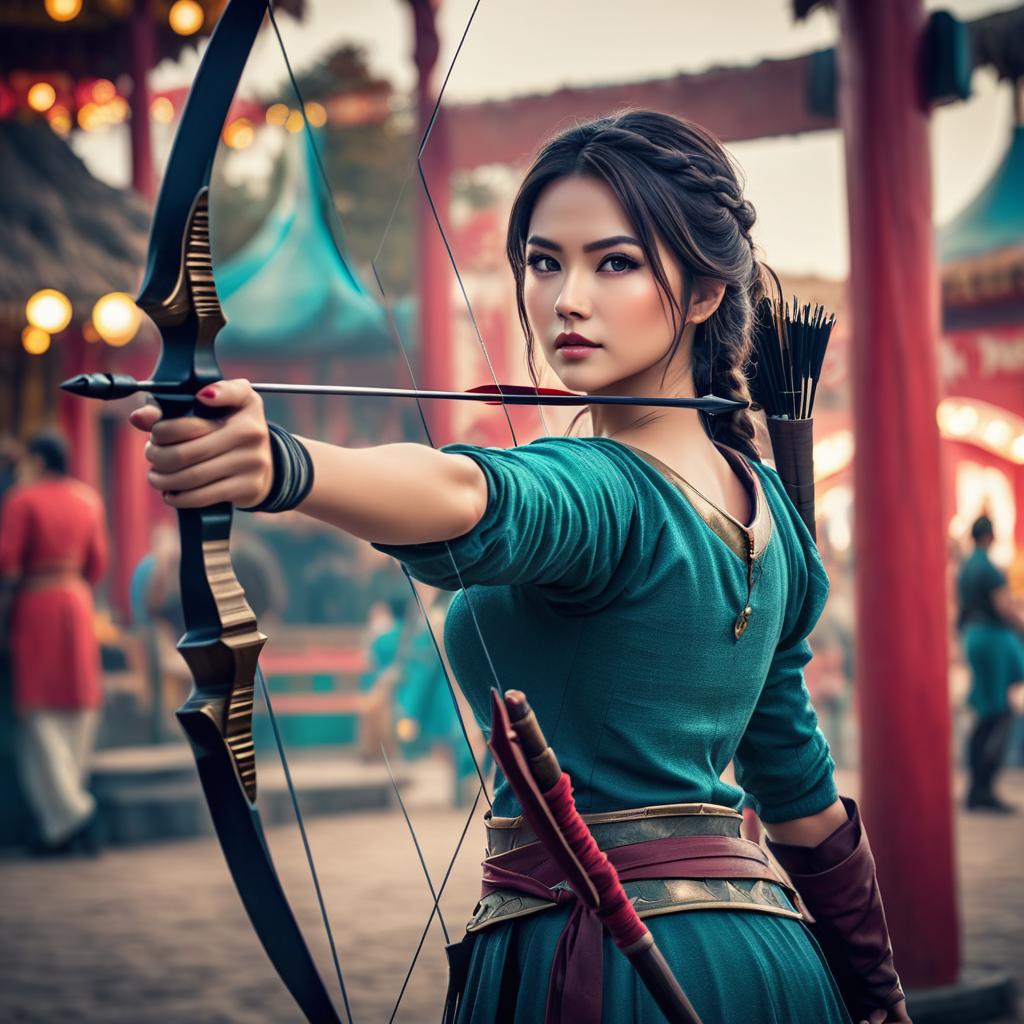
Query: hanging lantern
x=186, y=17
x=63, y=10
x=35, y=341
x=116, y=318
x=49, y=310
x=41, y=96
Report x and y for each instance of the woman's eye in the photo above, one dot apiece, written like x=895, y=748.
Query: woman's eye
x=619, y=264
x=537, y=259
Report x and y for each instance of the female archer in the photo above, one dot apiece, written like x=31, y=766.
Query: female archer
x=650, y=587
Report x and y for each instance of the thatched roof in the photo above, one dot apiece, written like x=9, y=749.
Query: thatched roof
x=61, y=227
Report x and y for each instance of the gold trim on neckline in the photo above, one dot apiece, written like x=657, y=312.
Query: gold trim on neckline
x=744, y=541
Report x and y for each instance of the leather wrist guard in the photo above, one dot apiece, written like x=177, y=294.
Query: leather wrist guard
x=293, y=473
x=836, y=881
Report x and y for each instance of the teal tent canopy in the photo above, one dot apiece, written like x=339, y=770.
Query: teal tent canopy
x=289, y=290
x=994, y=220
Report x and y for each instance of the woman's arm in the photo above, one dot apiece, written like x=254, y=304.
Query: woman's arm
x=392, y=494
x=809, y=831
x=395, y=493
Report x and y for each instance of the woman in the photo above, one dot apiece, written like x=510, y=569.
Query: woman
x=650, y=587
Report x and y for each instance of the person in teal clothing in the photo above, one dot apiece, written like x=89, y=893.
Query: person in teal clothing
x=991, y=627
x=649, y=586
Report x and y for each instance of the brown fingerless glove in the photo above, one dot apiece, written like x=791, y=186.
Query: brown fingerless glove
x=836, y=881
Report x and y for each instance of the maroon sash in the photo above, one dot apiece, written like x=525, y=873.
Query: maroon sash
x=575, y=986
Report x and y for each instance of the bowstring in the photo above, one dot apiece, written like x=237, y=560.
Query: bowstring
x=336, y=224
x=418, y=169
x=265, y=691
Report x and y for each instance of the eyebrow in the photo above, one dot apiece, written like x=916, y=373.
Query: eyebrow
x=604, y=243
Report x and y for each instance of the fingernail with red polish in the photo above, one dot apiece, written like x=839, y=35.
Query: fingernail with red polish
x=209, y=392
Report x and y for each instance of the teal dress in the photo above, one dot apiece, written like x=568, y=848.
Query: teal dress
x=605, y=594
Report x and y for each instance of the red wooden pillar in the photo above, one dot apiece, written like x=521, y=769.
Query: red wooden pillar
x=902, y=651
x=433, y=266
x=133, y=518
x=143, y=50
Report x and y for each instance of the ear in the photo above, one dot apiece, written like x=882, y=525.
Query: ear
x=706, y=298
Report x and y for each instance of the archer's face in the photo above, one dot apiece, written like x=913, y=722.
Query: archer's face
x=587, y=275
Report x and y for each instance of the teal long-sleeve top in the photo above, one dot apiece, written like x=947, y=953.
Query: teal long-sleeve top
x=606, y=593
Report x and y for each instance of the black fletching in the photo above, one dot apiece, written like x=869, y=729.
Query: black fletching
x=789, y=343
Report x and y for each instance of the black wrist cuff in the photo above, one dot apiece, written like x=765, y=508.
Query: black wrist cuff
x=293, y=473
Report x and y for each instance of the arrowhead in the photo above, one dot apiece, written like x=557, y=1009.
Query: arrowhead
x=79, y=385
x=105, y=386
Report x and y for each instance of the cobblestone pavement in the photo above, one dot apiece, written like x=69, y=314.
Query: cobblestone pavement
x=156, y=934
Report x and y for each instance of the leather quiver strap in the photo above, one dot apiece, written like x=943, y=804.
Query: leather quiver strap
x=837, y=883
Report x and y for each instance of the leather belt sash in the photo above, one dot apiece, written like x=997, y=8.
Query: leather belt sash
x=718, y=871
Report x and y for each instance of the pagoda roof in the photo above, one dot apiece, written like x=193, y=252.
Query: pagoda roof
x=994, y=219
x=290, y=288
x=982, y=249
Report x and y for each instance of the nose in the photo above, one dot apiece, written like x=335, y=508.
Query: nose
x=572, y=302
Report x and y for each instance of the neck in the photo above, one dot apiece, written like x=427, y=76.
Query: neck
x=653, y=427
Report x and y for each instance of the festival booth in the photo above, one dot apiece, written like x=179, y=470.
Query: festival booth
x=982, y=413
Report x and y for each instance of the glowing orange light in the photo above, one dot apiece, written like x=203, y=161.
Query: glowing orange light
x=407, y=729
x=60, y=120
x=103, y=90
x=63, y=10
x=277, y=114
x=162, y=110
x=89, y=333
x=89, y=117
x=116, y=318
x=295, y=122
x=49, y=310
x=35, y=341
x=41, y=96
x=186, y=17
x=239, y=133
x=316, y=114
x=116, y=111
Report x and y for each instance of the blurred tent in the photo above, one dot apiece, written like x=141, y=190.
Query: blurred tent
x=291, y=287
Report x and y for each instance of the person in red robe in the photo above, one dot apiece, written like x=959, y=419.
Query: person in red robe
x=53, y=547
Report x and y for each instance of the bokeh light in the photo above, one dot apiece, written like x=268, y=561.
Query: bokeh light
x=186, y=17
x=63, y=10
x=41, y=96
x=49, y=310
x=116, y=318
x=35, y=341
x=162, y=110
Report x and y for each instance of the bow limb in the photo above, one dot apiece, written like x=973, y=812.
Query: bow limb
x=222, y=641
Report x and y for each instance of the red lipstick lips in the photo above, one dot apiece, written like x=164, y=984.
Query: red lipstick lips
x=572, y=340
x=570, y=345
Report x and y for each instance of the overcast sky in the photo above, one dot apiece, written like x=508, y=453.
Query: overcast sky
x=521, y=46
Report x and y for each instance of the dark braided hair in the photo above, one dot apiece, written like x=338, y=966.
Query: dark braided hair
x=678, y=185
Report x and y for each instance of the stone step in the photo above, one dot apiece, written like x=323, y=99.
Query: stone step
x=979, y=996
x=151, y=793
